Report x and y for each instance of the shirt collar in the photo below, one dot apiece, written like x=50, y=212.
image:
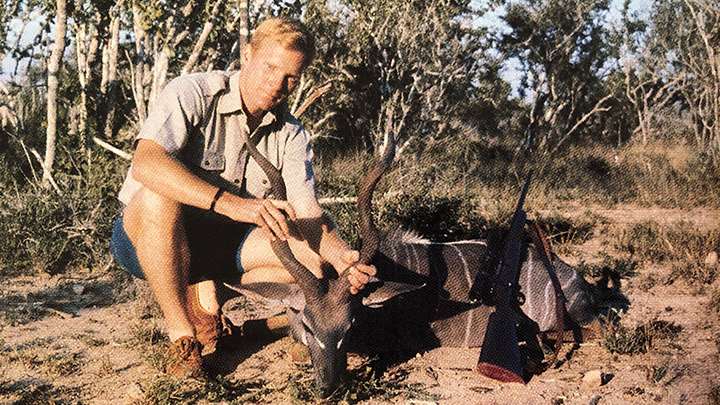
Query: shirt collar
x=231, y=102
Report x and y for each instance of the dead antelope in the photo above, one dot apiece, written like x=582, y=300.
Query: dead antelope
x=427, y=294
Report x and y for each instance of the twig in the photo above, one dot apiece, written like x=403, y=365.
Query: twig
x=32, y=169
x=62, y=314
x=316, y=94
x=336, y=200
x=46, y=171
x=351, y=199
x=113, y=149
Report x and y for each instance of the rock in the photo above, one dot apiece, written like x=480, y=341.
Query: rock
x=134, y=392
x=299, y=353
x=595, y=378
x=711, y=260
x=78, y=289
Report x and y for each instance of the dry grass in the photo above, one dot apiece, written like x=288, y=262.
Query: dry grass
x=613, y=267
x=564, y=231
x=680, y=241
x=623, y=340
x=361, y=384
x=680, y=245
x=168, y=390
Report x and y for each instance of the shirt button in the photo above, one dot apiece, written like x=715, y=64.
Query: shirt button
x=207, y=162
x=264, y=182
x=237, y=181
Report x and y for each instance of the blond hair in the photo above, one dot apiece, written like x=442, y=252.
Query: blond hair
x=289, y=33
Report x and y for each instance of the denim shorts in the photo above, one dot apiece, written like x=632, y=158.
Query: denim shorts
x=214, y=249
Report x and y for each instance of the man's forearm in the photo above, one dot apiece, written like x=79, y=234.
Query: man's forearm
x=166, y=176
x=322, y=238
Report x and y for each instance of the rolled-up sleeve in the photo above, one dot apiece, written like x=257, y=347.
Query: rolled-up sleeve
x=178, y=109
x=299, y=176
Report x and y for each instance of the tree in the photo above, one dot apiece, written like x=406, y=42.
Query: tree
x=562, y=50
x=685, y=40
x=406, y=67
x=52, y=84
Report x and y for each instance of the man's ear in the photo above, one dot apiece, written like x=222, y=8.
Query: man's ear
x=380, y=292
x=246, y=54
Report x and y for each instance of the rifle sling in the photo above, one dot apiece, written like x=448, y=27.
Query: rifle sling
x=543, y=245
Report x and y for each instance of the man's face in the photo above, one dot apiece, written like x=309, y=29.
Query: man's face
x=269, y=74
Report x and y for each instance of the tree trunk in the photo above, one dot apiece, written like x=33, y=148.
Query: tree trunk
x=139, y=77
x=200, y=44
x=109, y=82
x=86, y=46
x=244, y=29
x=52, y=83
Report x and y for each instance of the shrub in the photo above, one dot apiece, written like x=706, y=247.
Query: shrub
x=49, y=232
x=564, y=231
x=439, y=218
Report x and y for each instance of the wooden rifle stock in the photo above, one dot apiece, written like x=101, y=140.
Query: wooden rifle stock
x=500, y=356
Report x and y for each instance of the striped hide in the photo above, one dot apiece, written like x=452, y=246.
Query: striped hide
x=444, y=312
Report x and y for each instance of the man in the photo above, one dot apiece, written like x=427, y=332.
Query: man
x=197, y=208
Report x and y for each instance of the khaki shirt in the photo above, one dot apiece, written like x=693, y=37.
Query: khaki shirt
x=199, y=120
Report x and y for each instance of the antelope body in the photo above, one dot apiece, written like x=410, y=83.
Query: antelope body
x=426, y=295
x=451, y=308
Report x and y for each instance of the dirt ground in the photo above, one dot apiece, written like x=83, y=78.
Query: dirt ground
x=88, y=340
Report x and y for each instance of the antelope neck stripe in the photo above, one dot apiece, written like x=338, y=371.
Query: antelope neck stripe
x=394, y=257
x=468, y=326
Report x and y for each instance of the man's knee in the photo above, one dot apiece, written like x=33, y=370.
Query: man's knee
x=149, y=212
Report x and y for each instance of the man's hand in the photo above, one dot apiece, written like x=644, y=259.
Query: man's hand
x=269, y=215
x=358, y=274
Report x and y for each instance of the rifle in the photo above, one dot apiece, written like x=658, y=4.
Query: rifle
x=500, y=357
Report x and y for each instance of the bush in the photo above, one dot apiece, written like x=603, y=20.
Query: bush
x=438, y=218
x=48, y=232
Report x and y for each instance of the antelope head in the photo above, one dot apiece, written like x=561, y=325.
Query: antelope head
x=322, y=311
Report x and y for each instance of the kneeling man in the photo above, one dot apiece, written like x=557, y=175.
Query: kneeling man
x=197, y=208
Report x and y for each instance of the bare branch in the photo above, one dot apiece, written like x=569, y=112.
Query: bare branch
x=117, y=151
x=314, y=96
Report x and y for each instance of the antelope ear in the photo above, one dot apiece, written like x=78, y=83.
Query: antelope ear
x=272, y=293
x=381, y=291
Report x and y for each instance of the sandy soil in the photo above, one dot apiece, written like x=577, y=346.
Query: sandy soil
x=74, y=340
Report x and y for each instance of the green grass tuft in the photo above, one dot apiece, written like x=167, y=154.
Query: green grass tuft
x=622, y=340
x=168, y=390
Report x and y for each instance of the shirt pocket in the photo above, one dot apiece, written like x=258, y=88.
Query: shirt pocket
x=256, y=182
x=212, y=161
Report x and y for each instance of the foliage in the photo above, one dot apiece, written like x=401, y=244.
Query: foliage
x=51, y=232
x=685, y=37
x=438, y=218
x=563, y=50
x=168, y=390
x=363, y=384
x=415, y=57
